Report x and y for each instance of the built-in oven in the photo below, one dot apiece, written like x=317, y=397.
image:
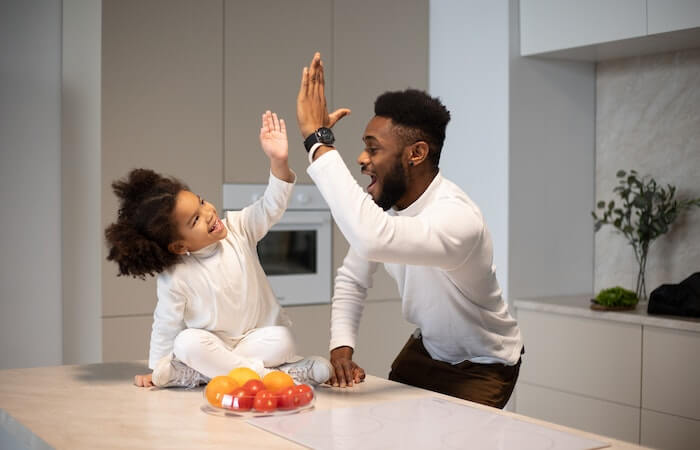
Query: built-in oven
x=296, y=253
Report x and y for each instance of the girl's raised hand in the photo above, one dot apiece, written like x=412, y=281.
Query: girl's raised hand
x=273, y=137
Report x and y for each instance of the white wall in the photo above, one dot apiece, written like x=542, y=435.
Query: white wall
x=469, y=72
x=521, y=144
x=552, y=173
x=30, y=185
x=81, y=183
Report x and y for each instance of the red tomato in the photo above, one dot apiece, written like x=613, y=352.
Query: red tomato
x=265, y=401
x=252, y=387
x=305, y=394
x=288, y=398
x=241, y=400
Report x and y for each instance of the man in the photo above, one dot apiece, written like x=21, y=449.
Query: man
x=431, y=238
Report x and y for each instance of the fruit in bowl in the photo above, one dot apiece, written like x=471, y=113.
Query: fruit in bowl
x=238, y=400
x=274, y=392
x=217, y=388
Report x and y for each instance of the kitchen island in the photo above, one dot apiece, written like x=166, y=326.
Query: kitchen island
x=97, y=406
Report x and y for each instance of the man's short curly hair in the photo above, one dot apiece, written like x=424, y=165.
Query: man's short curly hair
x=417, y=117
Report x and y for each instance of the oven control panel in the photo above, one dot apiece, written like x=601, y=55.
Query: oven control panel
x=304, y=196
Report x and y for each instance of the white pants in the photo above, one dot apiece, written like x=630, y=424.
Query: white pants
x=209, y=355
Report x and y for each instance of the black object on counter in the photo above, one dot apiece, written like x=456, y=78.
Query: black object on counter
x=682, y=299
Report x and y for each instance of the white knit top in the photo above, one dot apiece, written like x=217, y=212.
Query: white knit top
x=438, y=250
x=222, y=287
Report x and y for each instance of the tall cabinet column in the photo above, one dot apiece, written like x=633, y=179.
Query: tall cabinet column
x=162, y=103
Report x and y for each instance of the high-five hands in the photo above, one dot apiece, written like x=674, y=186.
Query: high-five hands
x=312, y=111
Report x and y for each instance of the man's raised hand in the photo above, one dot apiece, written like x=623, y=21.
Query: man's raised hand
x=312, y=111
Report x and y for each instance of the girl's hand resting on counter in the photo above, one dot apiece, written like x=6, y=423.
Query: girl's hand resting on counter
x=143, y=380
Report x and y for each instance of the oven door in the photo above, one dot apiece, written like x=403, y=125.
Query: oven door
x=296, y=257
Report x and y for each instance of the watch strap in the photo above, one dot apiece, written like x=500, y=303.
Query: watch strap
x=323, y=135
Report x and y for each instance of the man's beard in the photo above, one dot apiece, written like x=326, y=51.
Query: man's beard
x=394, y=186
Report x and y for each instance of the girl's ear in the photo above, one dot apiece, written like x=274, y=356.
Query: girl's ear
x=177, y=247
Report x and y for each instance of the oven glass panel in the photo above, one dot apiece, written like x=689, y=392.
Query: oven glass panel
x=288, y=252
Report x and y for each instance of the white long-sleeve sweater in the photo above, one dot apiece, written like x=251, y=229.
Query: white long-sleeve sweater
x=438, y=250
x=222, y=287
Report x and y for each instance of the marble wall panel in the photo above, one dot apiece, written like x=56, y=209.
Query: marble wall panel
x=648, y=119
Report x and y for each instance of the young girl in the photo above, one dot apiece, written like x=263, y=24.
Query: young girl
x=216, y=310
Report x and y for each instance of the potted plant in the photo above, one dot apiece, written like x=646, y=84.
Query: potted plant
x=646, y=212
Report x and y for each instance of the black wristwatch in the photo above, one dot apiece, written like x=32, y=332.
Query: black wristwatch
x=323, y=135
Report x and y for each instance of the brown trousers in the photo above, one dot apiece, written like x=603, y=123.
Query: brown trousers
x=488, y=384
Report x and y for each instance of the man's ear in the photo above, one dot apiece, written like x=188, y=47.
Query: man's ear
x=419, y=153
x=177, y=247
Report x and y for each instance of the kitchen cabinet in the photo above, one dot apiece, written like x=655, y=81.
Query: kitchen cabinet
x=582, y=356
x=600, y=30
x=671, y=372
x=578, y=411
x=668, y=432
x=161, y=108
x=267, y=43
x=548, y=25
x=360, y=63
x=624, y=374
x=672, y=15
x=383, y=332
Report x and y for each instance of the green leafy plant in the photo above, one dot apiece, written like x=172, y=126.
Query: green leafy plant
x=645, y=212
x=616, y=296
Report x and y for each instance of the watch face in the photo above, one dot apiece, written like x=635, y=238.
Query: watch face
x=325, y=135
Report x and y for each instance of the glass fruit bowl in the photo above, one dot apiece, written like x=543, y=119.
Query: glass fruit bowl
x=243, y=403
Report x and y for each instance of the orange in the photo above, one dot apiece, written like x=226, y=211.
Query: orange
x=242, y=374
x=218, y=387
x=277, y=380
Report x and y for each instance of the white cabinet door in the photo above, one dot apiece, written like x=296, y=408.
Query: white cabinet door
x=671, y=15
x=383, y=332
x=596, y=358
x=126, y=338
x=585, y=413
x=266, y=45
x=161, y=108
x=549, y=25
x=669, y=432
x=671, y=372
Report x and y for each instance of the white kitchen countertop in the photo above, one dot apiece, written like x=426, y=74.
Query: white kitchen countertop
x=97, y=406
x=579, y=305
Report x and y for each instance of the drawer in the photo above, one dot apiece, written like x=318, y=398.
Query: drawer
x=669, y=432
x=671, y=372
x=596, y=358
x=584, y=413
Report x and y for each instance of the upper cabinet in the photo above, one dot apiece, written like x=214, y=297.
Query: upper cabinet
x=597, y=30
x=548, y=25
x=673, y=15
x=268, y=42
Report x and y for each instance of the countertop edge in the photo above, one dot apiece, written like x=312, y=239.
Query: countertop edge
x=579, y=306
x=19, y=434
